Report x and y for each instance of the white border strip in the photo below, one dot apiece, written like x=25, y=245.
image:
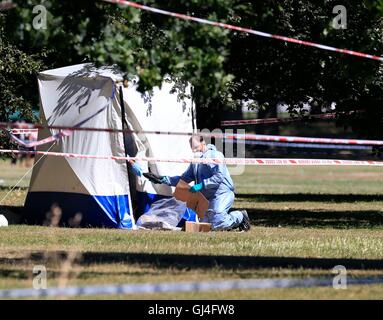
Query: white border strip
x=150, y=288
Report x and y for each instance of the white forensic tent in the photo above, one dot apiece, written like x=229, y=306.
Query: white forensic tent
x=83, y=95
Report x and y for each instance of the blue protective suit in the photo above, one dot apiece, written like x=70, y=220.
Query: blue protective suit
x=218, y=188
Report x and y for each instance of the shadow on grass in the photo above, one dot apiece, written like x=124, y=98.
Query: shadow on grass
x=188, y=262
x=227, y=262
x=7, y=188
x=22, y=274
x=307, y=197
x=280, y=218
x=316, y=218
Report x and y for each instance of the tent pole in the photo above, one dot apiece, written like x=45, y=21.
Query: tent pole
x=124, y=125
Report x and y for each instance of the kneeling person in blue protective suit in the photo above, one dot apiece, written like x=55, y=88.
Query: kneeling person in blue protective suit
x=214, y=182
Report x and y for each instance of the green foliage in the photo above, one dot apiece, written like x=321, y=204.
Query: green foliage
x=154, y=46
x=270, y=71
x=225, y=67
x=377, y=5
x=143, y=44
x=17, y=72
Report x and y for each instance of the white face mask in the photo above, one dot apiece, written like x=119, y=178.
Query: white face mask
x=197, y=154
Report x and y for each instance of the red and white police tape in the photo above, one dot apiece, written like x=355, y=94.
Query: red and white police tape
x=264, y=137
x=24, y=131
x=302, y=145
x=226, y=123
x=33, y=144
x=252, y=137
x=246, y=30
x=228, y=161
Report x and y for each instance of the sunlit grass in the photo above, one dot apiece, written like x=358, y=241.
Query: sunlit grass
x=305, y=221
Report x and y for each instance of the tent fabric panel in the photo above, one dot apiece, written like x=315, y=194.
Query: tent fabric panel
x=55, y=174
x=99, y=187
x=161, y=111
x=68, y=101
x=100, y=177
x=86, y=70
x=71, y=100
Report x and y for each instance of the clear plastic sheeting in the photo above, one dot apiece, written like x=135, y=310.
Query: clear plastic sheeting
x=164, y=214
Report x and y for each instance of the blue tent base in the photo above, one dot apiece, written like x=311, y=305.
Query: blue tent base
x=96, y=211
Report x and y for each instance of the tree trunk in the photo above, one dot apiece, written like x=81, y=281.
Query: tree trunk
x=270, y=112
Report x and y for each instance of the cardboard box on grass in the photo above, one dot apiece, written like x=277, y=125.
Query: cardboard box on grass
x=195, y=201
x=191, y=226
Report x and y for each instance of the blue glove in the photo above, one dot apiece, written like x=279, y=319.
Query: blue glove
x=137, y=170
x=166, y=180
x=196, y=187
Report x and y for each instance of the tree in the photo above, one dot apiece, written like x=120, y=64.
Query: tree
x=140, y=43
x=17, y=73
x=224, y=67
x=269, y=72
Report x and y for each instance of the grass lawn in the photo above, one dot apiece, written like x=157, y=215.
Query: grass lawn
x=306, y=220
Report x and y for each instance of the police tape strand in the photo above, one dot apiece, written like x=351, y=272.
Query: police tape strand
x=149, y=288
x=216, y=135
x=245, y=30
x=227, y=161
x=61, y=134
x=227, y=123
x=263, y=137
x=302, y=145
x=55, y=137
x=24, y=131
